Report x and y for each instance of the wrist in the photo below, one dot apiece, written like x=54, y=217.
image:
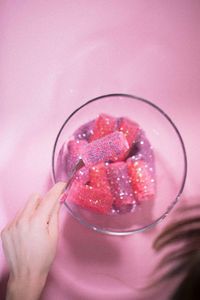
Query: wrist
x=28, y=287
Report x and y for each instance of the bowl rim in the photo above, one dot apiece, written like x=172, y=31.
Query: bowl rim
x=176, y=199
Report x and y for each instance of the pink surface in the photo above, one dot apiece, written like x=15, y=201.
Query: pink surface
x=55, y=55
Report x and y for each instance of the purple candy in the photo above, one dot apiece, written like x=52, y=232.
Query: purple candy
x=84, y=132
x=110, y=147
x=142, y=150
x=120, y=186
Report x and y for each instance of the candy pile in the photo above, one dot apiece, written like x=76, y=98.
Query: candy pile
x=118, y=172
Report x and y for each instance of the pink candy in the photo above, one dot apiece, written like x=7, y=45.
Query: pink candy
x=142, y=179
x=129, y=128
x=90, y=198
x=103, y=126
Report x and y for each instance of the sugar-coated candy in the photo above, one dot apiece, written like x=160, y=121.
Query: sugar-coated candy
x=115, y=166
x=90, y=198
x=129, y=128
x=104, y=125
x=98, y=177
x=142, y=150
x=142, y=179
x=82, y=175
x=112, y=147
x=73, y=154
x=85, y=131
x=121, y=187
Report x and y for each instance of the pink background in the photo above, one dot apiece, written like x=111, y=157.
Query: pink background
x=55, y=55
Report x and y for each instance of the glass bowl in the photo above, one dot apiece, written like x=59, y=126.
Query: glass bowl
x=170, y=161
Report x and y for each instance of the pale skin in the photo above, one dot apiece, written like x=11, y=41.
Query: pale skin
x=29, y=244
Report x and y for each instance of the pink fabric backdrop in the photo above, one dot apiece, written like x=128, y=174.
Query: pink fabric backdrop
x=55, y=55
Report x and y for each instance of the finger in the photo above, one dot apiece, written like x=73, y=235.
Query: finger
x=55, y=211
x=8, y=246
x=53, y=222
x=12, y=222
x=51, y=199
x=30, y=207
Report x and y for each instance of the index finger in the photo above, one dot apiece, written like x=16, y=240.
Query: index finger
x=51, y=199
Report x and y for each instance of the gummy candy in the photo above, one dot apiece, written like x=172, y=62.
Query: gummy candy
x=143, y=182
x=103, y=125
x=85, y=131
x=74, y=148
x=121, y=187
x=82, y=175
x=119, y=167
x=142, y=149
x=98, y=177
x=90, y=198
x=129, y=128
x=112, y=147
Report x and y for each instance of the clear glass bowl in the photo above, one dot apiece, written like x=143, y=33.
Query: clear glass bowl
x=170, y=161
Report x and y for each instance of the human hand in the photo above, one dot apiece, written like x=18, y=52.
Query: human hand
x=29, y=243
